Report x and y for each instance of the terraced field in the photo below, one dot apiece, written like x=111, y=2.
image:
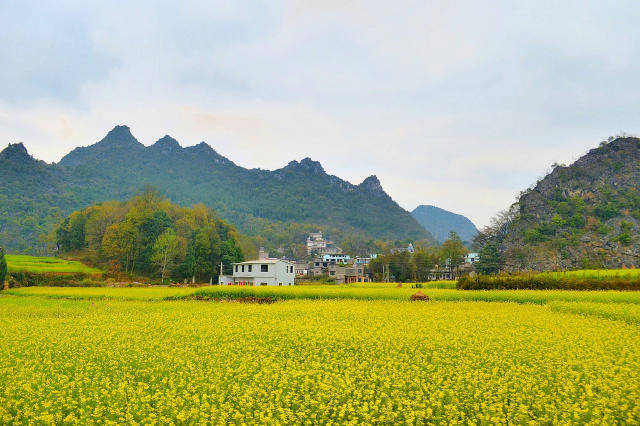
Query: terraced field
x=318, y=354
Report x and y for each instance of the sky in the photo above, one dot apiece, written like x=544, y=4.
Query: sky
x=456, y=104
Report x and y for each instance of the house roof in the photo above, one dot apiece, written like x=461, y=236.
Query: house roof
x=263, y=261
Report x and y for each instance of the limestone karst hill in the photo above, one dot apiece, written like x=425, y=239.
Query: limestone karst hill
x=35, y=195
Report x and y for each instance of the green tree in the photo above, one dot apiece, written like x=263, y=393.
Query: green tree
x=453, y=251
x=490, y=261
x=424, y=260
x=165, y=251
x=230, y=254
x=204, y=253
x=3, y=268
x=120, y=244
x=126, y=236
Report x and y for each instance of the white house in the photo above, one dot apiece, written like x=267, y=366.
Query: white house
x=261, y=272
x=471, y=258
x=336, y=258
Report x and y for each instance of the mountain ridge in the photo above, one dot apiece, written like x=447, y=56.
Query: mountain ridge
x=118, y=165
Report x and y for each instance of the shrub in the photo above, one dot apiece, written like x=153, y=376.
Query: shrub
x=547, y=282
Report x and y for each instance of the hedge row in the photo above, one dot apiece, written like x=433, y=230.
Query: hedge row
x=29, y=279
x=545, y=282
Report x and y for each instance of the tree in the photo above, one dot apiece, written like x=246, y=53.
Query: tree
x=151, y=236
x=453, y=251
x=490, y=261
x=204, y=253
x=3, y=268
x=120, y=243
x=424, y=260
x=164, y=251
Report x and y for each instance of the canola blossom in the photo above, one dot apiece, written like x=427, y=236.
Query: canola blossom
x=314, y=361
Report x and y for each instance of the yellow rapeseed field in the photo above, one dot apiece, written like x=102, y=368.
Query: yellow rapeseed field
x=314, y=361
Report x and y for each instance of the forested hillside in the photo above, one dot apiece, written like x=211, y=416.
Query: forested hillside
x=149, y=235
x=277, y=207
x=586, y=215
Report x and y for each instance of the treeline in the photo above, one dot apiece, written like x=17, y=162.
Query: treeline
x=546, y=282
x=150, y=236
x=416, y=266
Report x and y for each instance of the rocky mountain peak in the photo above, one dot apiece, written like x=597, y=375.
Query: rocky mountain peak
x=306, y=165
x=167, y=144
x=120, y=135
x=16, y=152
x=311, y=166
x=372, y=185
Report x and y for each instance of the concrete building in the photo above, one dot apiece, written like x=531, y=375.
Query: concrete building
x=471, y=258
x=336, y=258
x=364, y=260
x=301, y=269
x=408, y=249
x=347, y=274
x=276, y=272
x=315, y=243
x=440, y=274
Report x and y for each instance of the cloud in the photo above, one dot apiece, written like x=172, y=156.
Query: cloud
x=458, y=104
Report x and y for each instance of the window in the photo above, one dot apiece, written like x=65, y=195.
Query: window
x=332, y=272
x=236, y=268
x=263, y=283
x=242, y=268
x=264, y=268
x=249, y=268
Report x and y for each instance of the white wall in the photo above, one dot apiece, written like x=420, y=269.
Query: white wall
x=278, y=274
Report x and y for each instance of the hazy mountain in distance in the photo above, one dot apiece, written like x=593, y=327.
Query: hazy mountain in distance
x=439, y=222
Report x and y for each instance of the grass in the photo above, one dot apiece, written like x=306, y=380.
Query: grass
x=23, y=263
x=317, y=361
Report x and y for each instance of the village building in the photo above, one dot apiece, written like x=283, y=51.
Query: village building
x=440, y=274
x=408, y=249
x=336, y=258
x=319, y=245
x=471, y=258
x=364, y=260
x=315, y=243
x=347, y=274
x=274, y=272
x=301, y=269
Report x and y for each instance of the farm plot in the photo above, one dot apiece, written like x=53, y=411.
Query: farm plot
x=299, y=360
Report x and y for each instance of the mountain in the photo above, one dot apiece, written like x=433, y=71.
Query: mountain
x=586, y=215
x=35, y=195
x=440, y=222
